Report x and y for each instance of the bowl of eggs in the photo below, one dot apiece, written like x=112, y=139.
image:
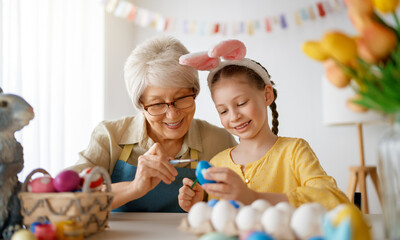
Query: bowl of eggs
x=69, y=195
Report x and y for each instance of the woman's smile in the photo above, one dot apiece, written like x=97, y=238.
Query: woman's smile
x=174, y=125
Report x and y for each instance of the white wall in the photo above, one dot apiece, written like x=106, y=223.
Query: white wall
x=297, y=78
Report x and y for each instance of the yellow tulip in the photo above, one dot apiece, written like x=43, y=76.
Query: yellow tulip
x=363, y=7
x=335, y=74
x=340, y=46
x=314, y=50
x=354, y=106
x=386, y=6
x=379, y=39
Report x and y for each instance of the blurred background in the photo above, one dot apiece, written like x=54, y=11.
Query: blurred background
x=66, y=58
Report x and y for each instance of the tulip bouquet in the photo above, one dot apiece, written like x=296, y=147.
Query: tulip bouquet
x=370, y=61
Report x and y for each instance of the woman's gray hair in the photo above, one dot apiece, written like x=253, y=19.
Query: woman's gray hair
x=156, y=62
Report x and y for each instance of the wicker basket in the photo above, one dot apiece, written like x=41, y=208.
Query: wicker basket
x=91, y=209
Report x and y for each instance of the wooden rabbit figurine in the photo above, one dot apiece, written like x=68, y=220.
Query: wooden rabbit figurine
x=15, y=113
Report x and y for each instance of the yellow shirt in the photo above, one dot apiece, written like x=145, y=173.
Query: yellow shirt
x=289, y=167
x=109, y=137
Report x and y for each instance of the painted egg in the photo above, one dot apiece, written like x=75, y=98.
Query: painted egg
x=286, y=208
x=306, y=221
x=23, y=234
x=198, y=214
x=247, y=218
x=236, y=204
x=201, y=168
x=259, y=235
x=212, y=202
x=96, y=181
x=223, y=213
x=66, y=181
x=41, y=185
x=261, y=205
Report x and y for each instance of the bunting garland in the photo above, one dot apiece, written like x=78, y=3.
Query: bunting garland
x=146, y=18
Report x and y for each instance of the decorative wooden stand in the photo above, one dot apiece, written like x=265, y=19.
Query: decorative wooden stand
x=358, y=174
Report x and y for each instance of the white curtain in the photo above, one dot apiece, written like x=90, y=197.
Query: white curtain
x=52, y=55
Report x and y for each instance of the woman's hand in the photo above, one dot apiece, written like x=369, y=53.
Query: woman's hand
x=152, y=168
x=188, y=197
x=229, y=186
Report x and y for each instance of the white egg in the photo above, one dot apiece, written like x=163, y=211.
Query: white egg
x=286, y=208
x=307, y=220
x=222, y=213
x=261, y=205
x=248, y=218
x=199, y=213
x=277, y=223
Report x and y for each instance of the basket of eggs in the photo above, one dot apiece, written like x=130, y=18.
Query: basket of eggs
x=69, y=197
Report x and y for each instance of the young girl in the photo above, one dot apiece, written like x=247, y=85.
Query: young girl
x=263, y=165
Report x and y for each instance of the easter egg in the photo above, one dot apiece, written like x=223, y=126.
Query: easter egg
x=247, y=218
x=41, y=185
x=223, y=213
x=23, y=234
x=259, y=235
x=198, y=214
x=66, y=181
x=212, y=202
x=261, y=205
x=201, y=168
x=306, y=221
x=95, y=182
x=236, y=204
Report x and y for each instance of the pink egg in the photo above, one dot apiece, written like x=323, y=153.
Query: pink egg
x=66, y=181
x=96, y=180
x=41, y=185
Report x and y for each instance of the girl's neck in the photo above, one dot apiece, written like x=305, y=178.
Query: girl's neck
x=250, y=150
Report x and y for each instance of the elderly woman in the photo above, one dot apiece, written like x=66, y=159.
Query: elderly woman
x=136, y=150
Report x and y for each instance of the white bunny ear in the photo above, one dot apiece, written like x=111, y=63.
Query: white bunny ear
x=229, y=50
x=199, y=61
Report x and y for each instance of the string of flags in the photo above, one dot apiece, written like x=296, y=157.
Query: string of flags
x=149, y=19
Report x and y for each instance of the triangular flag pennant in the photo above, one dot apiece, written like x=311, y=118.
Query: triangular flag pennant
x=283, y=21
x=268, y=27
x=321, y=10
x=111, y=4
x=304, y=14
x=297, y=18
x=250, y=28
x=311, y=13
x=132, y=14
x=216, y=28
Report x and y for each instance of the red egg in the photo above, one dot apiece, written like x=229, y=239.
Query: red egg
x=66, y=181
x=41, y=185
x=96, y=181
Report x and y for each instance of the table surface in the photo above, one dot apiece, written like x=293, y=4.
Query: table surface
x=145, y=226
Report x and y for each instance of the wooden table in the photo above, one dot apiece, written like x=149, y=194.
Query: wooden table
x=153, y=226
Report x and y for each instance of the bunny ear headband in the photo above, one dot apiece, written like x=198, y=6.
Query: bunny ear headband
x=233, y=51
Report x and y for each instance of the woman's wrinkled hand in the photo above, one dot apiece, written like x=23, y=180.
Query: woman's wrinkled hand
x=229, y=186
x=188, y=197
x=152, y=168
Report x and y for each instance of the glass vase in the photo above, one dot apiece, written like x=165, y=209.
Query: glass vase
x=389, y=176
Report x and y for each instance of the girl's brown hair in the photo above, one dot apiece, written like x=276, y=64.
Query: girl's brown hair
x=256, y=81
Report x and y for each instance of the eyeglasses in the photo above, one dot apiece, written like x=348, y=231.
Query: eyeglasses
x=161, y=108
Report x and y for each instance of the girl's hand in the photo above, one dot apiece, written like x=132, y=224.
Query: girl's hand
x=188, y=197
x=152, y=168
x=229, y=186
